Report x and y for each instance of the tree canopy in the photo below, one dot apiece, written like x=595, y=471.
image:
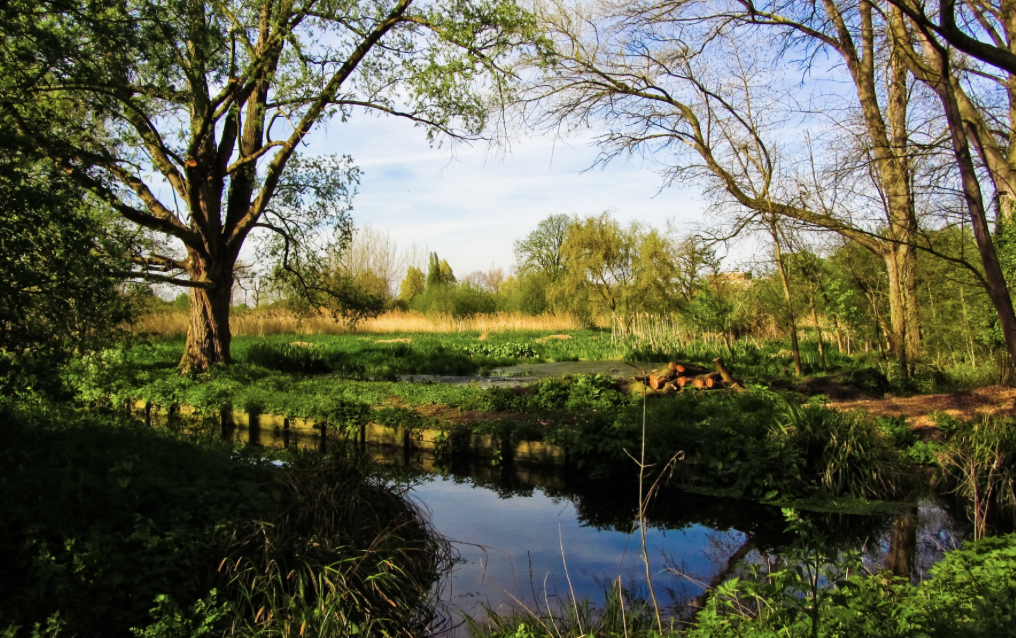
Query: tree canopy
x=187, y=118
x=62, y=265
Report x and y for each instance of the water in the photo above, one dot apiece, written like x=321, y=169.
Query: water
x=527, y=373
x=522, y=534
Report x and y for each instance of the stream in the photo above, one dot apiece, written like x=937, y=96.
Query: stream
x=527, y=537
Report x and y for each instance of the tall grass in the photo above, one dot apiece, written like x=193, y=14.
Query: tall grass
x=267, y=322
x=346, y=555
x=977, y=463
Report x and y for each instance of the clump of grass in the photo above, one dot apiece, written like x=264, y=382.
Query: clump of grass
x=978, y=463
x=845, y=452
x=345, y=555
x=287, y=357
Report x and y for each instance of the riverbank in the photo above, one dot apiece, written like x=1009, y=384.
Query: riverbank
x=113, y=528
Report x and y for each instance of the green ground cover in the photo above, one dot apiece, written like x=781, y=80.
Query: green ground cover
x=109, y=528
x=762, y=444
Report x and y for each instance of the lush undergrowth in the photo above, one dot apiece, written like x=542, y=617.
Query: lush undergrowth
x=109, y=528
x=760, y=444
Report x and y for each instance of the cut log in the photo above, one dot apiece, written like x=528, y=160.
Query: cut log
x=661, y=377
x=709, y=380
x=683, y=381
x=689, y=369
x=722, y=371
x=673, y=366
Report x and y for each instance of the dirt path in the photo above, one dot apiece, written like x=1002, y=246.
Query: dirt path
x=964, y=405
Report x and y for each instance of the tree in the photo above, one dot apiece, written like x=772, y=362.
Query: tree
x=186, y=117
x=490, y=280
x=693, y=257
x=373, y=258
x=620, y=271
x=439, y=273
x=993, y=19
x=673, y=80
x=414, y=284
x=62, y=266
x=540, y=251
x=971, y=126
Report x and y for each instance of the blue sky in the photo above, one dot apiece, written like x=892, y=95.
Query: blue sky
x=469, y=204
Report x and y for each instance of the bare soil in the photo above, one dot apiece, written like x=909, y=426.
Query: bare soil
x=989, y=401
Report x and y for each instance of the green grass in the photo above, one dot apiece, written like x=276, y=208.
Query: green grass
x=110, y=528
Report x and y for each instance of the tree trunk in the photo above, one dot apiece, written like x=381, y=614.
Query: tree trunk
x=778, y=253
x=897, y=332
x=818, y=327
x=998, y=291
x=903, y=544
x=208, y=335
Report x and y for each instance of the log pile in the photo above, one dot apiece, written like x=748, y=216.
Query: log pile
x=677, y=376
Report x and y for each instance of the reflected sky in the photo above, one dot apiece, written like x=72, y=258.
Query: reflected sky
x=502, y=541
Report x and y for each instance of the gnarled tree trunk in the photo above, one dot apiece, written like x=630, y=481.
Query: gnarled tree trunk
x=208, y=335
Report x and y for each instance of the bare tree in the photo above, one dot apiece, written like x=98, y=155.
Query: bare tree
x=373, y=251
x=674, y=80
x=493, y=278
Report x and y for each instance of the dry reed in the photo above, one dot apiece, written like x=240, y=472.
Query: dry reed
x=266, y=322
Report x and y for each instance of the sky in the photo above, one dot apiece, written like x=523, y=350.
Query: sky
x=469, y=204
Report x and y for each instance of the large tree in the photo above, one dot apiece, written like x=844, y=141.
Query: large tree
x=186, y=117
x=683, y=82
x=617, y=270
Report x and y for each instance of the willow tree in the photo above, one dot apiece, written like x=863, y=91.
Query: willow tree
x=617, y=270
x=187, y=116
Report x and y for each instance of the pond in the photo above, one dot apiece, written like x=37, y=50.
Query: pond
x=526, y=373
x=527, y=537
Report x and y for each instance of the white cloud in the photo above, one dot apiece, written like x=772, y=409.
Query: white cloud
x=469, y=205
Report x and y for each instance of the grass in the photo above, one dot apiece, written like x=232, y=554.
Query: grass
x=977, y=460
x=110, y=528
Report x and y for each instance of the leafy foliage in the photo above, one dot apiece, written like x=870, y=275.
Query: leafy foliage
x=62, y=264
x=971, y=592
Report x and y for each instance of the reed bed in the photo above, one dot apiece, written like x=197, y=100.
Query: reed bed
x=267, y=322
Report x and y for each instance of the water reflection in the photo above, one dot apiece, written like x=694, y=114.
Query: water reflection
x=523, y=533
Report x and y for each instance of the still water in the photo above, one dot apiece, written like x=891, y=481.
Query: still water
x=529, y=536
x=522, y=535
